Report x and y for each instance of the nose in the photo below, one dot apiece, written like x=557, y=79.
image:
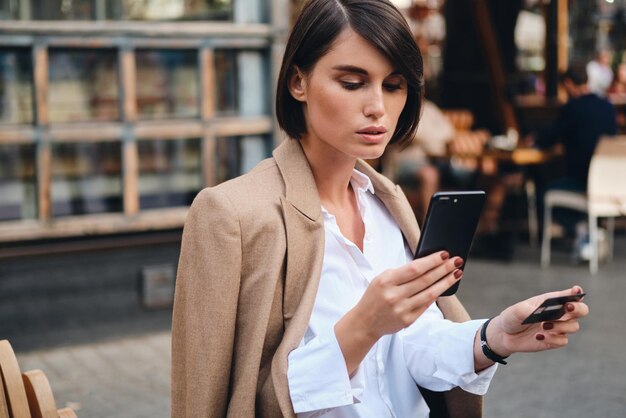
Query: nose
x=375, y=105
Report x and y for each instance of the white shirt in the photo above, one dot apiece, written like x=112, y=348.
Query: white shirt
x=433, y=352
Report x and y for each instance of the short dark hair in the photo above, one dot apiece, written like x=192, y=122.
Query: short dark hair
x=577, y=73
x=378, y=22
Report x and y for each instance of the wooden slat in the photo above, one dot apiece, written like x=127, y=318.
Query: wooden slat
x=17, y=135
x=44, y=180
x=563, y=35
x=86, y=132
x=100, y=224
x=207, y=156
x=67, y=413
x=13, y=384
x=4, y=408
x=130, y=159
x=160, y=29
x=40, y=63
x=243, y=126
x=128, y=85
x=167, y=129
x=207, y=84
x=40, y=398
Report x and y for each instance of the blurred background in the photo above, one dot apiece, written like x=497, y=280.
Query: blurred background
x=115, y=113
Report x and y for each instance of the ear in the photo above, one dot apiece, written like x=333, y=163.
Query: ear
x=297, y=85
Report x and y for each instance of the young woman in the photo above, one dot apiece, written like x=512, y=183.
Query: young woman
x=297, y=292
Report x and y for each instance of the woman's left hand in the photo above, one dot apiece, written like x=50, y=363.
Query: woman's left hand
x=506, y=334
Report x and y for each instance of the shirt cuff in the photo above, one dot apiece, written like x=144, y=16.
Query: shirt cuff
x=440, y=354
x=460, y=346
x=318, y=377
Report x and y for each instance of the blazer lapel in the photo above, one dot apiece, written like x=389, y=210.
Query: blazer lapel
x=305, y=253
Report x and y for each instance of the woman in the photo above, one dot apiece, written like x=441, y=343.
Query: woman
x=296, y=291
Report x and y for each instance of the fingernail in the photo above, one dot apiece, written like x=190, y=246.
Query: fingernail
x=579, y=290
x=445, y=255
x=458, y=262
x=548, y=325
x=540, y=337
x=570, y=307
x=458, y=273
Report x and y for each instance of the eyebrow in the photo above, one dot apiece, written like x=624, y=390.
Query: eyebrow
x=359, y=70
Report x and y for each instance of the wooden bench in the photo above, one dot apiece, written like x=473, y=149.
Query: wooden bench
x=28, y=394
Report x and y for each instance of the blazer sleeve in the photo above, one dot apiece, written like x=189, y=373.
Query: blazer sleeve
x=205, y=307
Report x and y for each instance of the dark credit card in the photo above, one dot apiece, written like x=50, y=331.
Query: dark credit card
x=551, y=309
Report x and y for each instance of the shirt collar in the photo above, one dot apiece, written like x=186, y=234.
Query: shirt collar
x=361, y=181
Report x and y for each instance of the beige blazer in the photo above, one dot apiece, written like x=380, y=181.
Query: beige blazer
x=248, y=275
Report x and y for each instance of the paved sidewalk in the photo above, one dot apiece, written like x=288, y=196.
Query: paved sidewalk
x=127, y=374
x=126, y=378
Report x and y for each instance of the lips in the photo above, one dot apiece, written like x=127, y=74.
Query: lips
x=373, y=130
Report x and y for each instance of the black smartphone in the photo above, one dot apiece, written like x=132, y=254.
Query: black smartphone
x=551, y=309
x=450, y=225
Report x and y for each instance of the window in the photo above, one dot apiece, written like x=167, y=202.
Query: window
x=167, y=83
x=86, y=178
x=83, y=85
x=16, y=90
x=17, y=182
x=169, y=172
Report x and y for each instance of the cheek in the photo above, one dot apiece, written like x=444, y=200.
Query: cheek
x=329, y=106
x=394, y=106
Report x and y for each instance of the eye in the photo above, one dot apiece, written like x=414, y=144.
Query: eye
x=351, y=85
x=393, y=86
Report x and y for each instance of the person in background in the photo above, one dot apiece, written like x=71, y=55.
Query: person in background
x=581, y=122
x=297, y=293
x=599, y=73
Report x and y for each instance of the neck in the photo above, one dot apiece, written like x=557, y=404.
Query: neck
x=331, y=170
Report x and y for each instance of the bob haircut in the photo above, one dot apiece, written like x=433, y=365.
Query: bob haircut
x=378, y=22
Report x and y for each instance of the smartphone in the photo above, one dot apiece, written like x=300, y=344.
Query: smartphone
x=551, y=309
x=450, y=225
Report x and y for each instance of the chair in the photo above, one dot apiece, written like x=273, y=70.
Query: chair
x=605, y=198
x=25, y=395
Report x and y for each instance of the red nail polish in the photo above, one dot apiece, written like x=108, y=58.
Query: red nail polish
x=458, y=262
x=570, y=307
x=445, y=255
x=458, y=273
x=540, y=337
x=548, y=325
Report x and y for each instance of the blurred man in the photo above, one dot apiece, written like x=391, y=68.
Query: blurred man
x=580, y=124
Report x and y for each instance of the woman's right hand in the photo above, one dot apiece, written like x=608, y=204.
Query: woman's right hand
x=393, y=301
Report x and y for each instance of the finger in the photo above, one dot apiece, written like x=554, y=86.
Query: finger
x=561, y=327
x=412, y=287
x=549, y=341
x=420, y=266
x=427, y=296
x=575, y=310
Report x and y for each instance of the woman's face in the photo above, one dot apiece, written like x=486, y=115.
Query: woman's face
x=352, y=99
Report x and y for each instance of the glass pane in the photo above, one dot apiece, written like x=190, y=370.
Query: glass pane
x=167, y=84
x=86, y=178
x=16, y=87
x=83, y=85
x=17, y=182
x=226, y=81
x=170, y=9
x=237, y=155
x=9, y=9
x=62, y=9
x=169, y=172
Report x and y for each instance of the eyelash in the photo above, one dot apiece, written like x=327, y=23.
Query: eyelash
x=355, y=86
